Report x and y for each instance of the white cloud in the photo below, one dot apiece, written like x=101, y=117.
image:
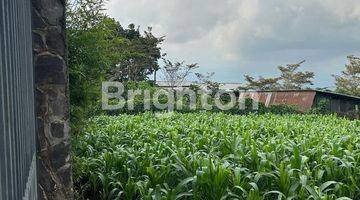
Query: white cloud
x=243, y=35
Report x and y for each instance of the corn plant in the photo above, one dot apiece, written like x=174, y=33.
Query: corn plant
x=218, y=156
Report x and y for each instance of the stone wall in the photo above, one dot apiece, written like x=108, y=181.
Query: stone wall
x=52, y=100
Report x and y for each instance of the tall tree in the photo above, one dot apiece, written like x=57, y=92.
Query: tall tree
x=206, y=80
x=175, y=73
x=293, y=79
x=290, y=78
x=89, y=46
x=84, y=14
x=349, y=80
x=260, y=84
x=140, y=56
x=101, y=49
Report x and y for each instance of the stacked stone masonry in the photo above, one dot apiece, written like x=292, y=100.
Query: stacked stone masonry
x=52, y=100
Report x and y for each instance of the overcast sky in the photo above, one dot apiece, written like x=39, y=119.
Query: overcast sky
x=237, y=37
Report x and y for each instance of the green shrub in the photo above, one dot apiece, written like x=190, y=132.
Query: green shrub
x=321, y=107
x=282, y=109
x=354, y=114
x=139, y=106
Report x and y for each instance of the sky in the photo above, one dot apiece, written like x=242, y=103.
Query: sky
x=237, y=37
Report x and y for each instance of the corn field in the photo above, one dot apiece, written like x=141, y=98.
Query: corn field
x=218, y=156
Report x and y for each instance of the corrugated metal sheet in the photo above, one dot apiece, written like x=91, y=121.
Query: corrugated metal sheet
x=17, y=118
x=303, y=100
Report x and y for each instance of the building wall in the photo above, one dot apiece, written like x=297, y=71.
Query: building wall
x=337, y=104
x=17, y=124
x=52, y=100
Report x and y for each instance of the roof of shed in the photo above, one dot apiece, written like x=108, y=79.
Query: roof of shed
x=311, y=90
x=338, y=94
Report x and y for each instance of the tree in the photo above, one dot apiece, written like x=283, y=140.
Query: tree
x=90, y=40
x=289, y=79
x=260, y=84
x=101, y=49
x=140, y=56
x=292, y=79
x=176, y=73
x=84, y=14
x=206, y=79
x=349, y=80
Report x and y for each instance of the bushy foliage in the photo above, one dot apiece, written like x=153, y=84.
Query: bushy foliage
x=290, y=79
x=349, y=80
x=205, y=79
x=217, y=156
x=101, y=49
x=354, y=114
x=321, y=107
x=139, y=103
